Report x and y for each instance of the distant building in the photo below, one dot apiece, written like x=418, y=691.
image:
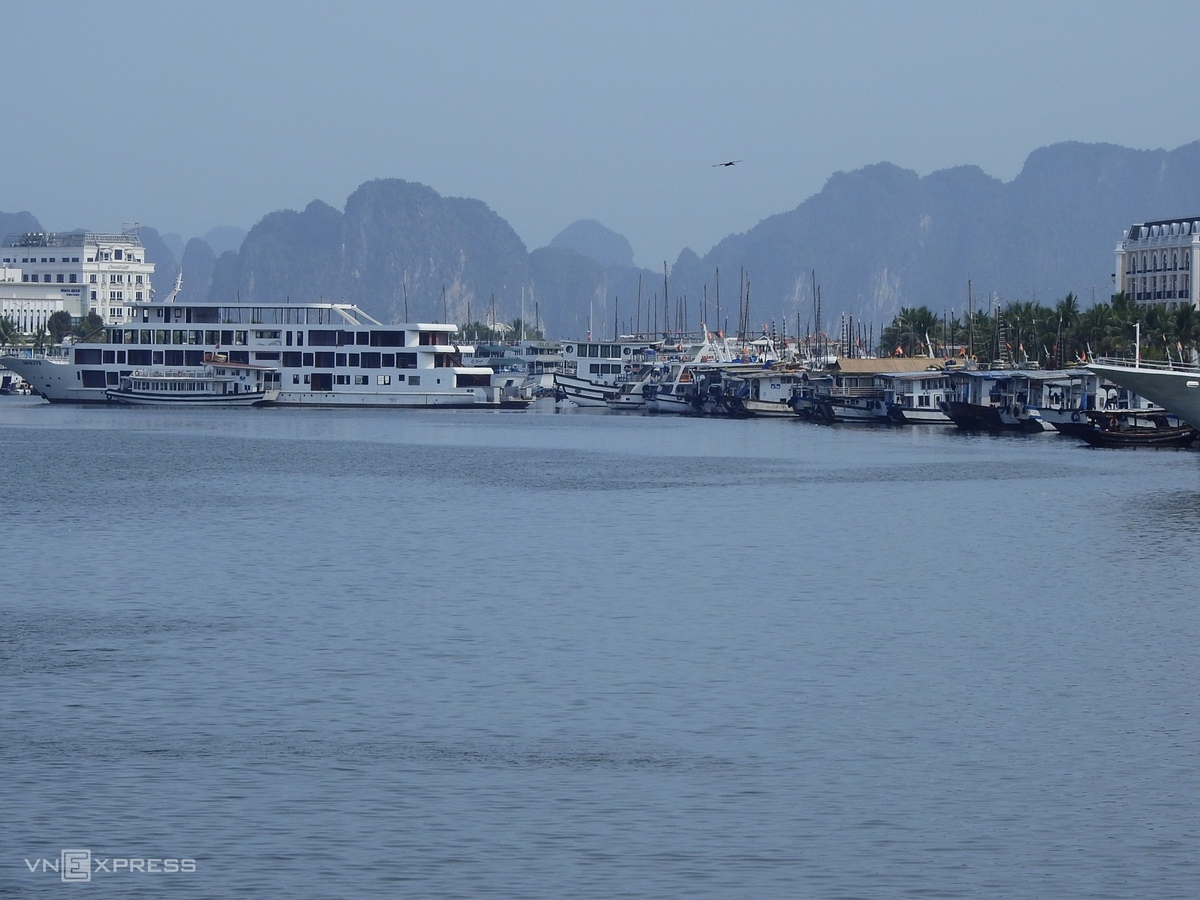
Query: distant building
x=1156, y=262
x=87, y=271
x=28, y=306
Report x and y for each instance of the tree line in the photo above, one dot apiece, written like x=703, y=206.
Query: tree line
x=58, y=327
x=1050, y=336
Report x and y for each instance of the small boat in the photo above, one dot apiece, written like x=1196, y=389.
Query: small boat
x=218, y=383
x=1129, y=430
x=748, y=390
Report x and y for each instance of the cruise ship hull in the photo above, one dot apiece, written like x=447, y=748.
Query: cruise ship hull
x=1175, y=390
x=53, y=381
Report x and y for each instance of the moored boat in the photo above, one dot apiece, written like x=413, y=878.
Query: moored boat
x=216, y=384
x=1176, y=388
x=1112, y=429
x=321, y=354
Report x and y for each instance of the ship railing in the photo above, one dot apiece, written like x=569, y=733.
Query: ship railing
x=1156, y=364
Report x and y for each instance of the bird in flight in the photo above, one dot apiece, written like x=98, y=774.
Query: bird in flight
x=732, y=162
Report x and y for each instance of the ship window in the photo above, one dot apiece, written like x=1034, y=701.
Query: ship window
x=414, y=380
x=323, y=338
x=296, y=378
x=339, y=360
x=341, y=379
x=308, y=359
x=110, y=357
x=361, y=379
x=383, y=379
x=388, y=360
x=364, y=338
x=157, y=358
x=406, y=360
x=371, y=360
x=324, y=360
x=387, y=338
x=354, y=358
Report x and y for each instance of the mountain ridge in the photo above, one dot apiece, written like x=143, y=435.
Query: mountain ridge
x=874, y=239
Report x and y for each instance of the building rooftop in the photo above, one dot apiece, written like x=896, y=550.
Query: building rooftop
x=71, y=238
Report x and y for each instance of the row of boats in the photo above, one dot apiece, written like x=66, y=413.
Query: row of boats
x=1094, y=402
x=205, y=354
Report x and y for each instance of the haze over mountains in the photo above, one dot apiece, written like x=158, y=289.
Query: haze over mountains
x=878, y=238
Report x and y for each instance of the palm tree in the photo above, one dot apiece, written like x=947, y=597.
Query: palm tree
x=1067, y=310
x=908, y=331
x=1187, y=329
x=9, y=333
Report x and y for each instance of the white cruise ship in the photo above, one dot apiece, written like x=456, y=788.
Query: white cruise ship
x=321, y=354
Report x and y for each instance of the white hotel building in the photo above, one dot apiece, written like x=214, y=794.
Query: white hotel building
x=77, y=271
x=1157, y=261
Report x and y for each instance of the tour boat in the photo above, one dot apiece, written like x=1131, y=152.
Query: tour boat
x=304, y=354
x=217, y=383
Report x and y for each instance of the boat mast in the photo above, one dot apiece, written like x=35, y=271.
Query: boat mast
x=970, y=323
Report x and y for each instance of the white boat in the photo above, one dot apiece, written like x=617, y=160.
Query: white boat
x=319, y=354
x=592, y=368
x=997, y=400
x=215, y=384
x=629, y=393
x=748, y=390
x=691, y=367
x=523, y=370
x=855, y=389
x=1176, y=388
x=915, y=398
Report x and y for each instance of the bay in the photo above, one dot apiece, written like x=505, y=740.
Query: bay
x=475, y=654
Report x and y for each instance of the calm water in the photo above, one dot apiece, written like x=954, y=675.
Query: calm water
x=356, y=653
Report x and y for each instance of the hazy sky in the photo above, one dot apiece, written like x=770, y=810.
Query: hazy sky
x=186, y=116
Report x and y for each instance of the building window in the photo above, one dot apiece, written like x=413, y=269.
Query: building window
x=74, y=278
x=61, y=278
